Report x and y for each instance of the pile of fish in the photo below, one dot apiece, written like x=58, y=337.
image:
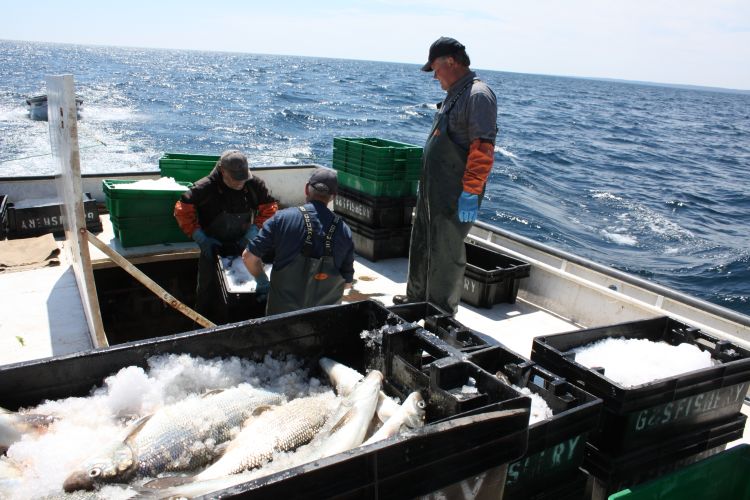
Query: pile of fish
x=225, y=437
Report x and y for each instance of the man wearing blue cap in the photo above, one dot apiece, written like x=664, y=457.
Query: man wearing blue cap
x=312, y=247
x=456, y=162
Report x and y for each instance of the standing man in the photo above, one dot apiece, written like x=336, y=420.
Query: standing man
x=457, y=160
x=222, y=212
x=313, y=251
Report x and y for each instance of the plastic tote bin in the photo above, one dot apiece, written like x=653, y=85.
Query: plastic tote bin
x=37, y=217
x=437, y=322
x=450, y=448
x=186, y=167
x=374, y=211
x=642, y=415
x=153, y=230
x=237, y=305
x=491, y=277
x=556, y=445
x=123, y=201
x=719, y=477
x=610, y=473
x=377, y=244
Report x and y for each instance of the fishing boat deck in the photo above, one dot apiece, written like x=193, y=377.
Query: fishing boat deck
x=42, y=314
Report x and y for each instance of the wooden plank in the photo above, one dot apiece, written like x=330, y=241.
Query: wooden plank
x=63, y=134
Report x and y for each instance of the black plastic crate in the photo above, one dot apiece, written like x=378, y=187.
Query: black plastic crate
x=236, y=305
x=3, y=216
x=611, y=473
x=556, y=445
x=46, y=217
x=374, y=211
x=443, y=325
x=451, y=447
x=640, y=416
x=491, y=277
x=378, y=244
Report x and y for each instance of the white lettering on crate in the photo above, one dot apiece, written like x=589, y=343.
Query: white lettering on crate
x=559, y=455
x=650, y=418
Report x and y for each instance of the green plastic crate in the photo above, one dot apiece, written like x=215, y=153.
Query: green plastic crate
x=393, y=188
x=187, y=156
x=186, y=167
x=124, y=202
x=374, y=149
x=720, y=477
x=151, y=230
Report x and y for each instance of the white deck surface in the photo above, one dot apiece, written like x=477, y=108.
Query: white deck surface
x=40, y=315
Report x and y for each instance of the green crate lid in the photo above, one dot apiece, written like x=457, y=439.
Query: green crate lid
x=118, y=188
x=187, y=156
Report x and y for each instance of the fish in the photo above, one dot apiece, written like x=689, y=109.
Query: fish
x=344, y=378
x=269, y=430
x=178, y=437
x=345, y=429
x=351, y=419
x=410, y=414
x=13, y=426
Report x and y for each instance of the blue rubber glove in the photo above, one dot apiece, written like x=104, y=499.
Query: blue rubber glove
x=207, y=244
x=249, y=235
x=468, y=206
x=262, y=286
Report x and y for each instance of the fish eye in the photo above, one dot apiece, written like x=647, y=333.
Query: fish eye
x=95, y=472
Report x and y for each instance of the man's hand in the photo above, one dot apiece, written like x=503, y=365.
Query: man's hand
x=207, y=244
x=468, y=206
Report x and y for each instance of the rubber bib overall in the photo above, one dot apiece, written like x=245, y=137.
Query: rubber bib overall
x=437, y=256
x=227, y=228
x=307, y=281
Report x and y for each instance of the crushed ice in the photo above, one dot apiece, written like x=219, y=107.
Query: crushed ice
x=632, y=362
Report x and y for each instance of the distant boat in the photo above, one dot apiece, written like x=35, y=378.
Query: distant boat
x=38, y=107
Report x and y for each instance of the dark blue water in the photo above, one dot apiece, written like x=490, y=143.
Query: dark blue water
x=649, y=179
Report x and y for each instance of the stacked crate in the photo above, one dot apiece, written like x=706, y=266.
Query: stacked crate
x=378, y=182
x=550, y=467
x=184, y=167
x=657, y=427
x=143, y=216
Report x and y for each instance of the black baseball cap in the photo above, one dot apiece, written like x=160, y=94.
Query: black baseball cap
x=235, y=163
x=443, y=46
x=324, y=180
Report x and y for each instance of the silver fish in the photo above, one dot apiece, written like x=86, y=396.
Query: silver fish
x=344, y=430
x=344, y=378
x=178, y=437
x=410, y=414
x=271, y=429
x=351, y=419
x=14, y=425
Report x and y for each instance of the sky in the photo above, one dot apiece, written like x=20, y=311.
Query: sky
x=691, y=42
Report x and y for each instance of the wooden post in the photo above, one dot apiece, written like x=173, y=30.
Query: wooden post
x=63, y=134
x=148, y=282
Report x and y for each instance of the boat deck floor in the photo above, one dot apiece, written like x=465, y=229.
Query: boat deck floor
x=41, y=313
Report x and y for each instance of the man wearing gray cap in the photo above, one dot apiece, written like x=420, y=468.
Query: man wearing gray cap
x=312, y=247
x=456, y=162
x=222, y=213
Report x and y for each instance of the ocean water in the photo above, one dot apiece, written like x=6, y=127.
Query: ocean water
x=648, y=179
